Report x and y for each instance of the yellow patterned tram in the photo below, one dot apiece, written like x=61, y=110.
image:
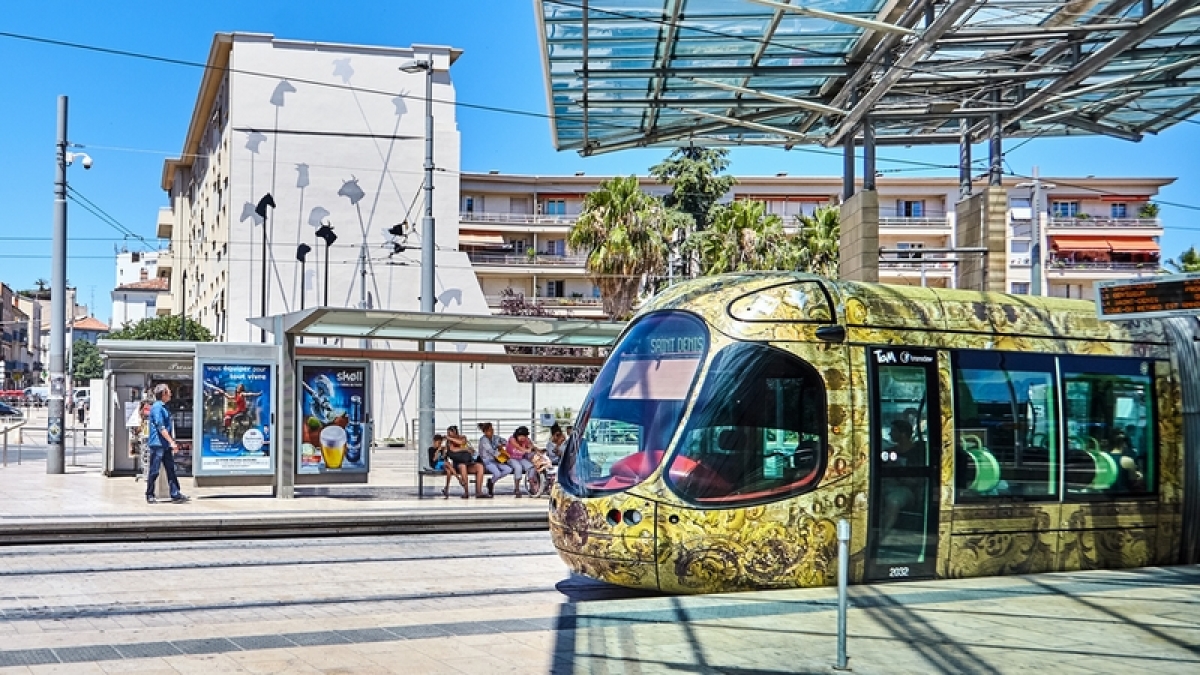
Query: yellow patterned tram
x=961, y=433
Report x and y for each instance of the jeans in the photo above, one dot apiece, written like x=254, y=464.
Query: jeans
x=162, y=456
x=496, y=469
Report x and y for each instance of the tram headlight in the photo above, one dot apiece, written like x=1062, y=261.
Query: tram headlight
x=633, y=517
x=614, y=517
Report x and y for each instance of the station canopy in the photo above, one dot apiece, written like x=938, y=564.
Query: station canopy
x=636, y=73
x=332, y=322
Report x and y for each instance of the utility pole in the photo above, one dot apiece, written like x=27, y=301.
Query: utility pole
x=1037, y=272
x=55, y=453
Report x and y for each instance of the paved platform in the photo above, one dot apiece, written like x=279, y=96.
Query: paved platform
x=85, y=505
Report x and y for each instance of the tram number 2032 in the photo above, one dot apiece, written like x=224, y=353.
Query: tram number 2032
x=898, y=572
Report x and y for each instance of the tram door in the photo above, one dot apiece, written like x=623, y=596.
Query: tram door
x=905, y=464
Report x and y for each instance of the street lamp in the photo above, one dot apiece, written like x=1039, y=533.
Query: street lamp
x=326, y=232
x=55, y=453
x=266, y=201
x=427, y=404
x=302, y=253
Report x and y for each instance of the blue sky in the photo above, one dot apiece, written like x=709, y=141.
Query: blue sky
x=133, y=113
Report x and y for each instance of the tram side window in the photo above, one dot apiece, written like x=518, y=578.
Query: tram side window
x=1005, y=425
x=1110, y=425
x=758, y=431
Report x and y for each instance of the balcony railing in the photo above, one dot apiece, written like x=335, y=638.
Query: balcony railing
x=524, y=260
x=1093, y=222
x=913, y=222
x=928, y=261
x=1147, y=267
x=516, y=218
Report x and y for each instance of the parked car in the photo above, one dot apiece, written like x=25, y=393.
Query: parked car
x=9, y=413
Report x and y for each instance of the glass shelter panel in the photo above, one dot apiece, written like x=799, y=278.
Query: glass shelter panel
x=1006, y=426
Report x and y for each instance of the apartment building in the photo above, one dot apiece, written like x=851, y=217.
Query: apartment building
x=514, y=229
x=17, y=362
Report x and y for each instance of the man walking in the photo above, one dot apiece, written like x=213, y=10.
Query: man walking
x=162, y=444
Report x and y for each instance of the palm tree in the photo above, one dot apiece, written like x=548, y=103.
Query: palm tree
x=1188, y=262
x=819, y=236
x=625, y=233
x=741, y=236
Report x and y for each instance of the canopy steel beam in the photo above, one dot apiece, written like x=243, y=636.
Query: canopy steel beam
x=797, y=102
x=667, y=45
x=723, y=71
x=1169, y=11
x=923, y=44
x=733, y=121
x=1169, y=114
x=867, y=24
x=315, y=352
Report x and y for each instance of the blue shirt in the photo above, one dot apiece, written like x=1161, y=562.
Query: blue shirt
x=160, y=418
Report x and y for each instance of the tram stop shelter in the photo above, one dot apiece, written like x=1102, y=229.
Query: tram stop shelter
x=868, y=73
x=303, y=336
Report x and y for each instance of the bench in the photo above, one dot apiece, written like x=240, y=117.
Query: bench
x=424, y=472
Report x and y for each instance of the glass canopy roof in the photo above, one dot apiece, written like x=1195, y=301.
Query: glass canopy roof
x=418, y=326
x=634, y=73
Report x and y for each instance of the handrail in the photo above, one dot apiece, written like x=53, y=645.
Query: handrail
x=520, y=218
x=20, y=446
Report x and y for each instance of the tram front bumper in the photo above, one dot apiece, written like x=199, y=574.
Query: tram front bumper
x=610, y=538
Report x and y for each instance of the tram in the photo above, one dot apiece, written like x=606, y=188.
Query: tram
x=962, y=433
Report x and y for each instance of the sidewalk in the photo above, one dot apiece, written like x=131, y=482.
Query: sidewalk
x=85, y=505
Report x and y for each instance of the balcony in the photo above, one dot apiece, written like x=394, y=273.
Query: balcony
x=929, y=262
x=1103, y=266
x=929, y=222
x=515, y=218
x=166, y=223
x=495, y=301
x=524, y=260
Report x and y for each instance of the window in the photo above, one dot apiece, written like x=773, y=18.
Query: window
x=1118, y=210
x=909, y=208
x=1019, y=288
x=469, y=204
x=1065, y=209
x=555, y=207
x=1006, y=426
x=909, y=246
x=554, y=289
x=1020, y=246
x=635, y=405
x=1110, y=426
x=757, y=432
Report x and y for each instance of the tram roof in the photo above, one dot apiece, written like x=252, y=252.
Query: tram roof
x=438, y=327
x=636, y=73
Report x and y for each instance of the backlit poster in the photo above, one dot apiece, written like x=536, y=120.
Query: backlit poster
x=333, y=432
x=235, y=436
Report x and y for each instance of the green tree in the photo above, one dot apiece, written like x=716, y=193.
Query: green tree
x=162, y=328
x=695, y=180
x=1189, y=261
x=818, y=237
x=85, y=361
x=1148, y=210
x=625, y=233
x=741, y=237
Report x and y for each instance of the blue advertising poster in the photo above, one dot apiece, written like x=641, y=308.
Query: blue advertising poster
x=333, y=416
x=236, y=434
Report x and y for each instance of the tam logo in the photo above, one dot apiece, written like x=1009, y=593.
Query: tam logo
x=885, y=356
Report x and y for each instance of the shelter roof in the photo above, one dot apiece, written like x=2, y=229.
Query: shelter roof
x=634, y=73
x=419, y=326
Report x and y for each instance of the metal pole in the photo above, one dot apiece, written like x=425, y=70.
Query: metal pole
x=1035, y=254
x=262, y=336
x=427, y=403
x=183, y=308
x=55, y=453
x=303, y=281
x=843, y=535
x=995, y=146
x=868, y=154
x=964, y=159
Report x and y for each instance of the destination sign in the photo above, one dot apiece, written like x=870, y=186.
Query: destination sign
x=1176, y=295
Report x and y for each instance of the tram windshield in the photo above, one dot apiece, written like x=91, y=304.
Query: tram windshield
x=635, y=405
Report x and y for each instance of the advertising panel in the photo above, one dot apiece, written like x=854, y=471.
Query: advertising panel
x=235, y=437
x=334, y=407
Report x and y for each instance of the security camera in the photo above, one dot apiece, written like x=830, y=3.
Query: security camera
x=87, y=162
